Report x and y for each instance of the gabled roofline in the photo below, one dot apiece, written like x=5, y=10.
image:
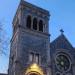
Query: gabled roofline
x=60, y=37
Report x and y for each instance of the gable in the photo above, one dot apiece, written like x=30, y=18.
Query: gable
x=61, y=42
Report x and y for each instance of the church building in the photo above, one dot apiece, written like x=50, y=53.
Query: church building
x=31, y=52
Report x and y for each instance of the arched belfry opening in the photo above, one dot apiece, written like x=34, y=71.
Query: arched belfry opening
x=35, y=23
x=41, y=25
x=28, y=24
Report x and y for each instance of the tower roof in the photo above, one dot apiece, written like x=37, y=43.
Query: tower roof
x=25, y=5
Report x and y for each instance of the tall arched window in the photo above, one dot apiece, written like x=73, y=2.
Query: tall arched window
x=35, y=23
x=41, y=25
x=28, y=21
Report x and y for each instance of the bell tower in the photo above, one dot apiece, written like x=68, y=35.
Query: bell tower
x=30, y=43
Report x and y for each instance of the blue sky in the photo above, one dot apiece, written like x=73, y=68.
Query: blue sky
x=62, y=16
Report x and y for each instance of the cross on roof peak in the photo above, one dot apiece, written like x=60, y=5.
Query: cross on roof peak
x=21, y=0
x=62, y=31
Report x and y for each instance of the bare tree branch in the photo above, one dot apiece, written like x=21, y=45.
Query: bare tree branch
x=4, y=40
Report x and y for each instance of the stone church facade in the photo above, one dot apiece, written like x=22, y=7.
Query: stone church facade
x=31, y=52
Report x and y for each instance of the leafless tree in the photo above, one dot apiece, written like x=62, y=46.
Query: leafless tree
x=4, y=41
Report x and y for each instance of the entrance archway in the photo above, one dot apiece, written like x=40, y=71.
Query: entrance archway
x=34, y=69
x=33, y=74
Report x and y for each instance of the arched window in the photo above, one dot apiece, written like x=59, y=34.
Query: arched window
x=28, y=22
x=41, y=25
x=35, y=23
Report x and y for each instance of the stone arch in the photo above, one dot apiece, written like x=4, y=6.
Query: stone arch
x=34, y=69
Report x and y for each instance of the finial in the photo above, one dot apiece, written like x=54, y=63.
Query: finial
x=22, y=0
x=61, y=30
